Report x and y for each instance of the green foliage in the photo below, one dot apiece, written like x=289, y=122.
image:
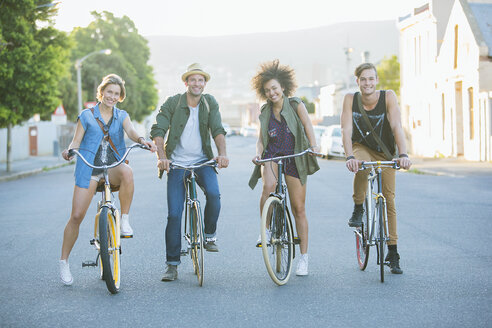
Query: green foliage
x=129, y=56
x=33, y=57
x=309, y=105
x=389, y=74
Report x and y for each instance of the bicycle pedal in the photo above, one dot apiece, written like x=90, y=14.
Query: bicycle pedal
x=92, y=241
x=89, y=263
x=297, y=240
x=126, y=236
x=184, y=252
x=258, y=245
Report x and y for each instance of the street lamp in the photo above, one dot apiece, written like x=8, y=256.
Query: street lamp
x=78, y=66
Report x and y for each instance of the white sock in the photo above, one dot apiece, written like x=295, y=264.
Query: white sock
x=125, y=217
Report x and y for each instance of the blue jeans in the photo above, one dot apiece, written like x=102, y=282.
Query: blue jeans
x=206, y=178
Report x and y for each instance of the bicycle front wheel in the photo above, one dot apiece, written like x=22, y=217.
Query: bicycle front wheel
x=197, y=240
x=109, y=251
x=277, y=245
x=361, y=239
x=381, y=242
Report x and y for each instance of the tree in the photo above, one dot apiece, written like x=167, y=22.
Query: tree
x=33, y=57
x=309, y=105
x=31, y=62
x=389, y=74
x=129, y=56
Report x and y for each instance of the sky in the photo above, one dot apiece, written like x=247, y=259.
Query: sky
x=229, y=17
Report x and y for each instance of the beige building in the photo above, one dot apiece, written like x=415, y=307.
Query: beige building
x=446, y=78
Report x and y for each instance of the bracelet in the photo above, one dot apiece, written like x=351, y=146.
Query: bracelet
x=350, y=157
x=140, y=138
x=403, y=155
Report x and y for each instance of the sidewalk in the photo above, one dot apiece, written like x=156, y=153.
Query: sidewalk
x=449, y=167
x=30, y=166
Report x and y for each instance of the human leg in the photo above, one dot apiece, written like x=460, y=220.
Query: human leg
x=360, y=185
x=207, y=180
x=122, y=175
x=297, y=196
x=175, y=204
x=389, y=186
x=80, y=203
x=268, y=175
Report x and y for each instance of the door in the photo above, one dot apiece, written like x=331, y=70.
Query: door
x=33, y=140
x=458, y=87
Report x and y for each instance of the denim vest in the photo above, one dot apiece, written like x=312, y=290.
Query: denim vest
x=92, y=139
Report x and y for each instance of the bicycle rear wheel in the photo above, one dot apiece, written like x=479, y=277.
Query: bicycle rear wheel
x=277, y=248
x=380, y=240
x=109, y=251
x=197, y=240
x=361, y=239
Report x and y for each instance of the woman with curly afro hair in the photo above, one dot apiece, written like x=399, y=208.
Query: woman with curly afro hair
x=285, y=129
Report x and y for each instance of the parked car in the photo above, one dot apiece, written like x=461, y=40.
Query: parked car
x=331, y=142
x=318, y=132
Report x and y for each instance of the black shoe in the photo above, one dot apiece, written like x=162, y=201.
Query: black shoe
x=356, y=219
x=394, y=262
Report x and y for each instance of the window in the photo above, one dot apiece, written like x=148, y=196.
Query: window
x=443, y=117
x=472, y=114
x=456, y=46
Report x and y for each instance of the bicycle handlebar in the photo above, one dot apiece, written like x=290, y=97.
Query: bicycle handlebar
x=173, y=165
x=72, y=152
x=211, y=162
x=289, y=156
x=366, y=165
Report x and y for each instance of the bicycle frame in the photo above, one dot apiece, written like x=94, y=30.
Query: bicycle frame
x=110, y=271
x=191, y=201
x=375, y=174
x=374, y=232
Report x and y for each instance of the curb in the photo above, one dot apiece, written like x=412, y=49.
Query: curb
x=26, y=174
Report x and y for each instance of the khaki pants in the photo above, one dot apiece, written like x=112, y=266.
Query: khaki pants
x=388, y=179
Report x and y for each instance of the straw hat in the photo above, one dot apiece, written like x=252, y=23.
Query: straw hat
x=195, y=69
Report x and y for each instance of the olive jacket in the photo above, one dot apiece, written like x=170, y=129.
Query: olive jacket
x=306, y=165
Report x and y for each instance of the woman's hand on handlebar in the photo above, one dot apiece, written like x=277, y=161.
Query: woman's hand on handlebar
x=149, y=145
x=66, y=156
x=255, y=159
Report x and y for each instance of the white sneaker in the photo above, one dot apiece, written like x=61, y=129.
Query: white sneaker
x=126, y=229
x=269, y=236
x=65, y=275
x=302, y=265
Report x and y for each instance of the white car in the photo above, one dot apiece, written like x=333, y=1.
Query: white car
x=331, y=142
x=318, y=132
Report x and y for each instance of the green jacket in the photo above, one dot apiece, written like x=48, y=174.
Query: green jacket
x=173, y=118
x=306, y=165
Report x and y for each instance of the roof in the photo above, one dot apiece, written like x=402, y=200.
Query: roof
x=441, y=9
x=482, y=13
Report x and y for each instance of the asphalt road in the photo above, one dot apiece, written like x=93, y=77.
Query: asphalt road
x=444, y=230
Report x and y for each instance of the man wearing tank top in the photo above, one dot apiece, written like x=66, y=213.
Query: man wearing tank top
x=381, y=107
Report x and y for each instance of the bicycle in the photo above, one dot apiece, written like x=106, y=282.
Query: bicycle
x=194, y=226
x=107, y=226
x=374, y=229
x=276, y=226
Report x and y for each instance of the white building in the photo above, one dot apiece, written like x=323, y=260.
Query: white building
x=446, y=78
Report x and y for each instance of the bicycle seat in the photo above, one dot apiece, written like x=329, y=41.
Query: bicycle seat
x=100, y=186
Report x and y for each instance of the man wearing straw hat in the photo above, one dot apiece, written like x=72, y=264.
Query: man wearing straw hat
x=191, y=118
